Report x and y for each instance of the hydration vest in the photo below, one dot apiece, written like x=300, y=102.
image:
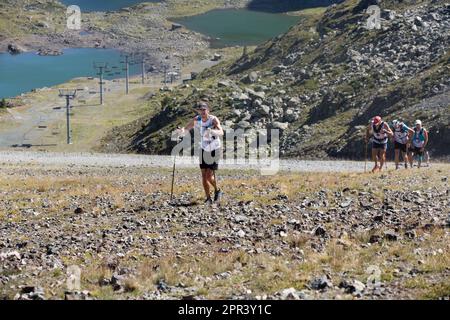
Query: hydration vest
x=401, y=134
x=211, y=143
x=379, y=136
x=418, y=139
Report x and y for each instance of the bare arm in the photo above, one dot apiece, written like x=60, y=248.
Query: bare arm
x=425, y=133
x=189, y=126
x=410, y=135
x=388, y=130
x=369, y=127
x=218, y=130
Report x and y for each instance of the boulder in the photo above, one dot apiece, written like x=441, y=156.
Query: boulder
x=321, y=283
x=225, y=84
x=250, y=78
x=256, y=95
x=217, y=57
x=175, y=26
x=279, y=68
x=42, y=25
x=294, y=102
x=264, y=110
x=290, y=115
x=243, y=124
x=289, y=294
x=388, y=14
x=241, y=97
x=15, y=48
x=280, y=125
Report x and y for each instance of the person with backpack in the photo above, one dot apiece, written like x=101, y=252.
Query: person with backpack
x=402, y=135
x=378, y=131
x=210, y=131
x=419, y=141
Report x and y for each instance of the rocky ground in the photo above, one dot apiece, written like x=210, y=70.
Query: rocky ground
x=289, y=236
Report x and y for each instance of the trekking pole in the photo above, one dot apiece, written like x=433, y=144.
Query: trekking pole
x=365, y=158
x=177, y=139
x=173, y=178
x=215, y=180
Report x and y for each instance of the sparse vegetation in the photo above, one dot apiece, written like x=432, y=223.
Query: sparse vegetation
x=265, y=263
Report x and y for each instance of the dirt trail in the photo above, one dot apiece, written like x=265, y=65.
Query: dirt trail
x=155, y=161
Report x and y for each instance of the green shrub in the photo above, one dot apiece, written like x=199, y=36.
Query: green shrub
x=3, y=103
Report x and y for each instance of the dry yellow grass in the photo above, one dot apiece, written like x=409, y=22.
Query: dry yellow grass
x=198, y=266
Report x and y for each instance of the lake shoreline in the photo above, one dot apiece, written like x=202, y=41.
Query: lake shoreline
x=100, y=29
x=142, y=28
x=173, y=46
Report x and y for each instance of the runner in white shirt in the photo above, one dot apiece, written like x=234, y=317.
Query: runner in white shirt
x=210, y=148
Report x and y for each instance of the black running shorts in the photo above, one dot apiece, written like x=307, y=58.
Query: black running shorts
x=209, y=160
x=382, y=146
x=400, y=146
x=417, y=151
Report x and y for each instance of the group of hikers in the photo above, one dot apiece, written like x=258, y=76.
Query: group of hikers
x=409, y=142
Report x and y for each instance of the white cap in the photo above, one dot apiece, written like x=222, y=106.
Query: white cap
x=418, y=122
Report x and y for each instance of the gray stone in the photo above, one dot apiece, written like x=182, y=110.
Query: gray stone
x=294, y=102
x=321, y=283
x=391, y=235
x=320, y=231
x=240, y=234
x=241, y=97
x=15, y=48
x=264, y=110
x=244, y=124
x=252, y=77
x=290, y=115
x=280, y=125
x=225, y=84
x=279, y=68
x=175, y=26
x=289, y=294
x=353, y=287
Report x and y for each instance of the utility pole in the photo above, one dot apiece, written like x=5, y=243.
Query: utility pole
x=101, y=66
x=68, y=94
x=244, y=52
x=143, y=70
x=165, y=73
x=127, y=71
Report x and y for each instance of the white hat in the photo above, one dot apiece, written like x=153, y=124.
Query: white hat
x=418, y=122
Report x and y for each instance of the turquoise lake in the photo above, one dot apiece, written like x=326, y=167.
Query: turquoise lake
x=24, y=72
x=238, y=27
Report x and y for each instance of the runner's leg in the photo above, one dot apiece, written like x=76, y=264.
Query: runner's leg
x=205, y=182
x=211, y=179
x=375, y=158
x=382, y=155
x=411, y=158
x=397, y=157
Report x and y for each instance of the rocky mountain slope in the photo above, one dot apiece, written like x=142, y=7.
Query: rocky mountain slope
x=322, y=81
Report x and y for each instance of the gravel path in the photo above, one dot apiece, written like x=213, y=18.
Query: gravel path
x=126, y=160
